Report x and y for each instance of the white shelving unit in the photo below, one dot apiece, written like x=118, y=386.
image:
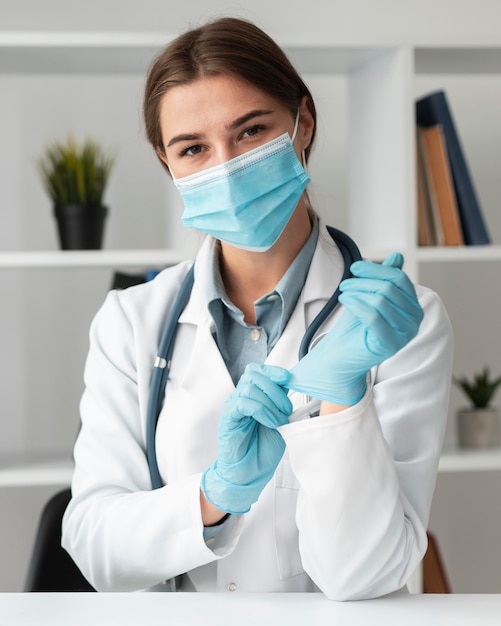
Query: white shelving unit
x=381, y=171
x=380, y=91
x=470, y=460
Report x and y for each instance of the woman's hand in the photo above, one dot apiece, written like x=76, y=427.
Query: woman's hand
x=382, y=314
x=249, y=445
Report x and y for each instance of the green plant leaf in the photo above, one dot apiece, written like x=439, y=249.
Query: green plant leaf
x=480, y=390
x=73, y=174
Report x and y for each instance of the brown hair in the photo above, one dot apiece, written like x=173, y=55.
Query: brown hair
x=225, y=46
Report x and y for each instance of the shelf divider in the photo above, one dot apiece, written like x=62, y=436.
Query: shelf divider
x=90, y=258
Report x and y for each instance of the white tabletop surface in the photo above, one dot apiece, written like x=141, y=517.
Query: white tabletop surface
x=242, y=609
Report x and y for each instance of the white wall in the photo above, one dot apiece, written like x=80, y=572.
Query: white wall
x=138, y=212
x=351, y=21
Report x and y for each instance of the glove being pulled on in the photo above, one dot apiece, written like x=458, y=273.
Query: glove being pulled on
x=249, y=446
x=382, y=314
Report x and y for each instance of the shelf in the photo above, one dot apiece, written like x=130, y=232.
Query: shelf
x=102, y=52
x=431, y=254
x=454, y=60
x=163, y=257
x=36, y=472
x=46, y=471
x=28, y=52
x=78, y=52
x=470, y=460
x=90, y=258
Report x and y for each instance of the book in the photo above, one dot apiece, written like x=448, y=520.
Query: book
x=427, y=228
x=434, y=109
x=438, y=177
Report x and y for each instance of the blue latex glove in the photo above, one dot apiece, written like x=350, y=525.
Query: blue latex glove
x=382, y=314
x=249, y=446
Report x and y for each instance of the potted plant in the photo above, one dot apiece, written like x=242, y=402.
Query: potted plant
x=478, y=425
x=75, y=177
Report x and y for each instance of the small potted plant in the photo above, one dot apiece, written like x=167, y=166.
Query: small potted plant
x=75, y=177
x=478, y=425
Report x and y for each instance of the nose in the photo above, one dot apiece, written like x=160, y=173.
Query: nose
x=225, y=152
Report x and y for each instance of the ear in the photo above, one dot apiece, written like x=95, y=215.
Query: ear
x=163, y=159
x=161, y=155
x=306, y=124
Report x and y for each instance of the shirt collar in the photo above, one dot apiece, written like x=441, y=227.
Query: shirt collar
x=288, y=288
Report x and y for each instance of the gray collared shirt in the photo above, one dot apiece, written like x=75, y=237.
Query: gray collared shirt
x=241, y=343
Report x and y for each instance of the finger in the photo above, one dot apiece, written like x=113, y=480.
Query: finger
x=378, y=275
x=270, y=407
x=388, y=328
x=386, y=290
x=270, y=380
x=395, y=259
x=366, y=269
x=275, y=373
x=261, y=413
x=398, y=313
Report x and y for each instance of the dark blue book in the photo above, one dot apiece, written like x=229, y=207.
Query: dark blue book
x=434, y=109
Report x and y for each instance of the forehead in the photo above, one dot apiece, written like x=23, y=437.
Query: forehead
x=220, y=98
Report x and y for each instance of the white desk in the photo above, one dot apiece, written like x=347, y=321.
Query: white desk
x=241, y=609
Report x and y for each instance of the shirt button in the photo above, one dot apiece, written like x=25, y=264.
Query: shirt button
x=232, y=587
x=255, y=333
x=272, y=297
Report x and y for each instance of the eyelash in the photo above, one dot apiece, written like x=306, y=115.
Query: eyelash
x=256, y=129
x=184, y=151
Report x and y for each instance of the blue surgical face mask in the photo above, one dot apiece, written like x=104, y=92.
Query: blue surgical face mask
x=247, y=201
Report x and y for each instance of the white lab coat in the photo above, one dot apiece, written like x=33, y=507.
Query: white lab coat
x=347, y=510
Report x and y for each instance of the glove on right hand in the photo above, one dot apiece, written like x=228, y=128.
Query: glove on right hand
x=249, y=446
x=382, y=314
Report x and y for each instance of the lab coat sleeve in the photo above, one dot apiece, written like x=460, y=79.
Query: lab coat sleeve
x=367, y=474
x=123, y=535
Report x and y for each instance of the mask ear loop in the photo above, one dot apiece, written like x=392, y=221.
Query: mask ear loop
x=170, y=172
x=294, y=132
x=296, y=124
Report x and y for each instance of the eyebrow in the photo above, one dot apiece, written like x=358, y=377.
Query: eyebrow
x=233, y=126
x=249, y=116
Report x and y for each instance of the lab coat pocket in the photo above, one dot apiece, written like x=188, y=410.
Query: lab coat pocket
x=285, y=528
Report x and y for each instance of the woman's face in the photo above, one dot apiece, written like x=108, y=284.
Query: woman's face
x=214, y=119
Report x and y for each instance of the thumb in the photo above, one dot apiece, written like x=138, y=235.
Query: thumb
x=395, y=259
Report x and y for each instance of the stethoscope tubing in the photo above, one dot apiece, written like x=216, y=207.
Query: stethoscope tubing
x=350, y=253
x=160, y=373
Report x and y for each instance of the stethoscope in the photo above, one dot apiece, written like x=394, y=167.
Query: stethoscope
x=161, y=367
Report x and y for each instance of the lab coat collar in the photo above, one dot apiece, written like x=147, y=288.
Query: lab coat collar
x=323, y=278
x=325, y=272
x=197, y=311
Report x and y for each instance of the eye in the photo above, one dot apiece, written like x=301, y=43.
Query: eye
x=253, y=130
x=191, y=151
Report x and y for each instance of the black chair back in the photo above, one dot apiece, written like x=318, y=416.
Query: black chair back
x=51, y=567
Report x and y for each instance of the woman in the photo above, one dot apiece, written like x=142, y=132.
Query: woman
x=262, y=492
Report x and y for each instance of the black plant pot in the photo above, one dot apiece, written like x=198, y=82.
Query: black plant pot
x=80, y=227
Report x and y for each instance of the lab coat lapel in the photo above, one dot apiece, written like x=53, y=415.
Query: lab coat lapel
x=323, y=279
x=198, y=386
x=206, y=368
x=324, y=276
x=195, y=396
x=206, y=365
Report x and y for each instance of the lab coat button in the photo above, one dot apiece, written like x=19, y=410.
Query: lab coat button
x=255, y=334
x=232, y=587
